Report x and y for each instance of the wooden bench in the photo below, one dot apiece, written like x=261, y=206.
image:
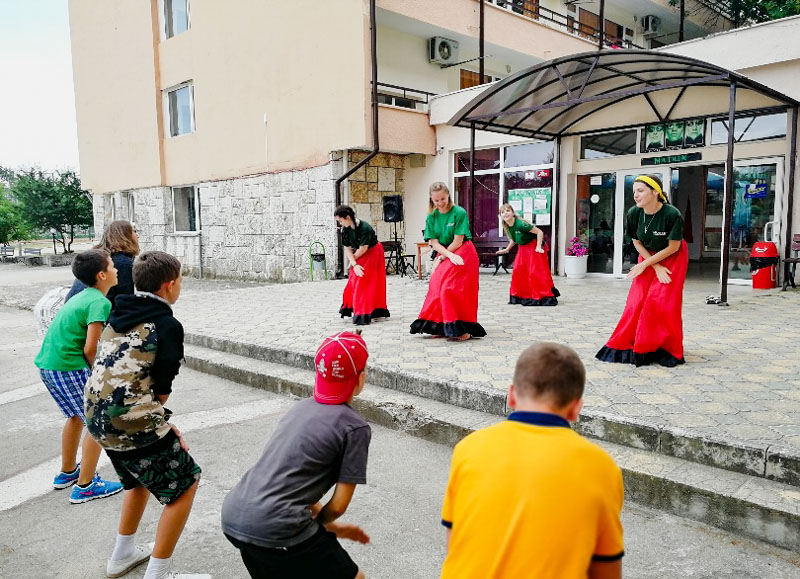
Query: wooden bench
x=788, y=274
x=31, y=256
x=487, y=248
x=6, y=253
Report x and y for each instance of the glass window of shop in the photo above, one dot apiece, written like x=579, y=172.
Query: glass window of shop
x=604, y=145
x=753, y=128
x=519, y=169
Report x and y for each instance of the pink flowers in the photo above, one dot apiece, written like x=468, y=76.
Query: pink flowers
x=577, y=247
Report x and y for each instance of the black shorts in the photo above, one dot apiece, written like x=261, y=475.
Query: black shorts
x=163, y=468
x=319, y=556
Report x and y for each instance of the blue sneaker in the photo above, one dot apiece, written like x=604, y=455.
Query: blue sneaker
x=97, y=489
x=65, y=479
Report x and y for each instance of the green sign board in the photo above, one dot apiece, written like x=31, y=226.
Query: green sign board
x=670, y=159
x=532, y=204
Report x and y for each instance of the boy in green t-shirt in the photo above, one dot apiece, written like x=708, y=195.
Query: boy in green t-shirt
x=64, y=364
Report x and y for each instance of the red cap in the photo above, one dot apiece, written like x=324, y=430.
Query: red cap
x=339, y=361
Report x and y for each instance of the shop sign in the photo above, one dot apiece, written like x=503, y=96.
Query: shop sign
x=532, y=204
x=755, y=191
x=671, y=159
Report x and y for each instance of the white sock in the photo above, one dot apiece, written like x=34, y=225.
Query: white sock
x=157, y=568
x=124, y=547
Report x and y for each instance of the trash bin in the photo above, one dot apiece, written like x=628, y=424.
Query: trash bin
x=764, y=265
x=318, y=263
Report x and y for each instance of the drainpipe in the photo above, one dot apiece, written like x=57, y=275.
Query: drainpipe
x=373, y=26
x=602, y=35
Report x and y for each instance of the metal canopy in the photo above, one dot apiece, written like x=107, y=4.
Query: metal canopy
x=559, y=97
x=631, y=88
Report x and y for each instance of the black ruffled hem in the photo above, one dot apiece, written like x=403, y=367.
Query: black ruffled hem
x=555, y=292
x=449, y=329
x=660, y=356
x=364, y=319
x=546, y=301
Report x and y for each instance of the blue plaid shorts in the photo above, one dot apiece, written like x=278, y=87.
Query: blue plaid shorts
x=66, y=388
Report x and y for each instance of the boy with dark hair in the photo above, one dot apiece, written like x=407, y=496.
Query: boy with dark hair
x=273, y=515
x=139, y=355
x=528, y=497
x=64, y=363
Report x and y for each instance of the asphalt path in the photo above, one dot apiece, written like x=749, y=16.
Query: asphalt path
x=226, y=425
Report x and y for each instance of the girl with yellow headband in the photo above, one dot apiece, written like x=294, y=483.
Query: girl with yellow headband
x=651, y=327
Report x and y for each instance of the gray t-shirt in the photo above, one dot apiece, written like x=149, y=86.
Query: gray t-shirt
x=314, y=447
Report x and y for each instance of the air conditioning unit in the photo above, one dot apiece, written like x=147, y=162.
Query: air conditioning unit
x=442, y=50
x=651, y=25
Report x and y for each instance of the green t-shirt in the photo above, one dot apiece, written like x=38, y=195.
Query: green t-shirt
x=62, y=348
x=664, y=225
x=520, y=232
x=445, y=226
x=363, y=234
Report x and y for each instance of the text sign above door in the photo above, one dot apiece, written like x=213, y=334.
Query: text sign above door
x=671, y=159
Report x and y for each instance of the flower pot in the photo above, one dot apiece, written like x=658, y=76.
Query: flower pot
x=575, y=267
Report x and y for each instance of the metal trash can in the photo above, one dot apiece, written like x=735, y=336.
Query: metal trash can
x=764, y=265
x=317, y=262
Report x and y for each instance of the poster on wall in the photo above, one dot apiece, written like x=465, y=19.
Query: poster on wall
x=532, y=204
x=695, y=133
x=653, y=138
x=674, y=134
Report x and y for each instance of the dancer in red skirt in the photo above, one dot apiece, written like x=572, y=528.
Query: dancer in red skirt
x=651, y=327
x=531, y=282
x=364, y=295
x=451, y=306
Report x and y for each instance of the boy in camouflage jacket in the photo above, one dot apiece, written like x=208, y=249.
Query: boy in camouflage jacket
x=138, y=357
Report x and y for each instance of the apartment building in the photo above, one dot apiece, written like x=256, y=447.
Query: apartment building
x=222, y=128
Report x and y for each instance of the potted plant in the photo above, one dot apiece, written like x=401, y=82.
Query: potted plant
x=576, y=259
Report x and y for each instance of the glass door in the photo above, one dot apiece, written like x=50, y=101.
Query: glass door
x=595, y=206
x=756, y=210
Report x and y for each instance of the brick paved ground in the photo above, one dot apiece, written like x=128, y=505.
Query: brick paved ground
x=741, y=380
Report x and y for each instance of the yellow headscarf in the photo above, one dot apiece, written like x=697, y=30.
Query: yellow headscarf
x=653, y=184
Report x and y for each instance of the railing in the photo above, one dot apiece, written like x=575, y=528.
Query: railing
x=569, y=24
x=404, y=97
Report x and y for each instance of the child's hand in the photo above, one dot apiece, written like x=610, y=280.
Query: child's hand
x=456, y=259
x=347, y=531
x=184, y=446
x=358, y=270
x=539, y=250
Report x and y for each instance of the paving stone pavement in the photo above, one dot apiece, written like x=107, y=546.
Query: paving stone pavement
x=741, y=381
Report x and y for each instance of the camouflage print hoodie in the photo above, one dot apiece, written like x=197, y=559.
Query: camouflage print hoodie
x=138, y=356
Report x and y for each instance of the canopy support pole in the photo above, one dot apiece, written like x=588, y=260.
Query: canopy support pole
x=481, y=45
x=787, y=253
x=472, y=178
x=728, y=203
x=602, y=35
x=554, y=209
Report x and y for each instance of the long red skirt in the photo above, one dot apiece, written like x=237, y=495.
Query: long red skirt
x=451, y=306
x=651, y=327
x=364, y=297
x=531, y=282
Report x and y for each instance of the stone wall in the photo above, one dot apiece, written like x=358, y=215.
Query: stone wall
x=256, y=228
x=383, y=175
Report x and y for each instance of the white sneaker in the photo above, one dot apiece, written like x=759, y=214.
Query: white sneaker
x=119, y=568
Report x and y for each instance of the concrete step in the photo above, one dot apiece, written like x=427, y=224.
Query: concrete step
x=740, y=503
x=760, y=460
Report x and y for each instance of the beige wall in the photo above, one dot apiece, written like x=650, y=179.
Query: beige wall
x=304, y=64
x=115, y=95
x=405, y=131
x=502, y=28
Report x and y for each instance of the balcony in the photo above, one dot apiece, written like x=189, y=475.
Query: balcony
x=403, y=120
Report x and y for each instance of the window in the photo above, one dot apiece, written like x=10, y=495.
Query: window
x=608, y=145
x=176, y=17
x=471, y=78
x=750, y=128
x=180, y=104
x=185, y=208
x=512, y=173
x=588, y=23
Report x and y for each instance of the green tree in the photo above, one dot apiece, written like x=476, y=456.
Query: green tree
x=53, y=201
x=12, y=225
x=739, y=12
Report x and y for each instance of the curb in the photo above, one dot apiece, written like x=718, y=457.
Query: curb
x=739, y=503
x=770, y=462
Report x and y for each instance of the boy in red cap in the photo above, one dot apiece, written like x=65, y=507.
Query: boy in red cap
x=273, y=515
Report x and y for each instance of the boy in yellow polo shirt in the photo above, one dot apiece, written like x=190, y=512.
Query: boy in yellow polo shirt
x=528, y=497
